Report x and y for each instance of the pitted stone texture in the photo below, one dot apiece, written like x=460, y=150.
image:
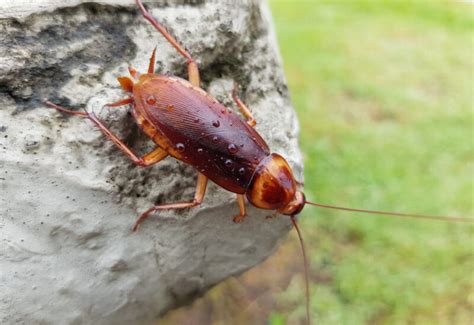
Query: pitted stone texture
x=68, y=197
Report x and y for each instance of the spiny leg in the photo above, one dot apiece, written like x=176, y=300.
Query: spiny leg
x=134, y=73
x=121, y=102
x=243, y=108
x=198, y=197
x=153, y=157
x=149, y=159
x=151, y=66
x=193, y=70
x=243, y=211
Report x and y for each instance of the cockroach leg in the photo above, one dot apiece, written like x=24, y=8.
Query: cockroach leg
x=153, y=157
x=134, y=73
x=193, y=74
x=151, y=66
x=193, y=70
x=243, y=212
x=243, y=108
x=65, y=110
x=121, y=102
x=126, y=83
x=198, y=197
x=147, y=160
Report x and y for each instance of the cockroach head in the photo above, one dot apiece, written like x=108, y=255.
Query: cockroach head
x=273, y=187
x=295, y=206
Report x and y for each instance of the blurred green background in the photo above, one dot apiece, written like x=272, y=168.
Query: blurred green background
x=384, y=95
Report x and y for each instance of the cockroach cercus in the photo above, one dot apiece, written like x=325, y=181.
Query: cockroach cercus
x=181, y=119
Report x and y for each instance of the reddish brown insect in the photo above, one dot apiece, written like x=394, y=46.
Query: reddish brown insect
x=188, y=124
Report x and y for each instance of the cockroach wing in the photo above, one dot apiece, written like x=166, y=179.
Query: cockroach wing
x=195, y=128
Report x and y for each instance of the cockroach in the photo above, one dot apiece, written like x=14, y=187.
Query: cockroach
x=186, y=123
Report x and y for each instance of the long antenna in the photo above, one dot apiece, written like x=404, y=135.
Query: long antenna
x=306, y=272
x=397, y=214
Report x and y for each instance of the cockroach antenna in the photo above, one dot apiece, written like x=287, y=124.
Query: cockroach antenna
x=306, y=268
x=394, y=214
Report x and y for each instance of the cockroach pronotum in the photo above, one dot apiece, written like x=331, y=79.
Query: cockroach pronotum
x=182, y=119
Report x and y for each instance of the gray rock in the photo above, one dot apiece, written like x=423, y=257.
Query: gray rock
x=68, y=197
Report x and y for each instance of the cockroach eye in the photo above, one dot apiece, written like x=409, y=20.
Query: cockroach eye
x=151, y=100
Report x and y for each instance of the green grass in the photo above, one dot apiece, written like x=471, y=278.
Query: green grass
x=384, y=94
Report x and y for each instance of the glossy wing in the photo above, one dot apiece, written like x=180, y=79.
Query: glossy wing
x=202, y=132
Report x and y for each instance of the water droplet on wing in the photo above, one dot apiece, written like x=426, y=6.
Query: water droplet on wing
x=180, y=147
x=232, y=148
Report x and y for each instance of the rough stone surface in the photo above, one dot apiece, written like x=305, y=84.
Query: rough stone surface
x=68, y=197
